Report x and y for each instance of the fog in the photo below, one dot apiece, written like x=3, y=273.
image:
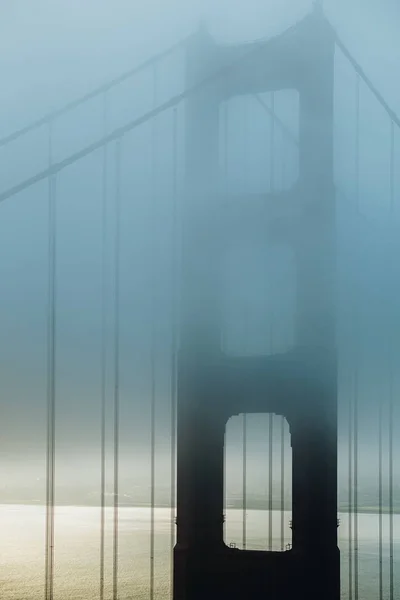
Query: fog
x=53, y=51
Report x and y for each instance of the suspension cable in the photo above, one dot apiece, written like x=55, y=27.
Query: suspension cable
x=117, y=249
x=360, y=73
x=174, y=332
x=153, y=60
x=282, y=126
x=50, y=117
x=103, y=349
x=288, y=134
x=130, y=126
x=51, y=392
x=153, y=333
x=102, y=89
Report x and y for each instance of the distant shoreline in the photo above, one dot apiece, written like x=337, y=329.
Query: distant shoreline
x=373, y=510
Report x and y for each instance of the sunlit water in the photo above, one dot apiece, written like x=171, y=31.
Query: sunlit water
x=77, y=541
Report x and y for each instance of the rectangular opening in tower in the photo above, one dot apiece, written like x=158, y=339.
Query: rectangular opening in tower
x=258, y=483
x=259, y=143
x=258, y=299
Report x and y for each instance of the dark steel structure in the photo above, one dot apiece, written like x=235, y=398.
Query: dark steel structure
x=301, y=384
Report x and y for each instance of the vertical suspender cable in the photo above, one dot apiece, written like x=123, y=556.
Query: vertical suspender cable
x=270, y=477
x=270, y=462
x=284, y=163
x=103, y=351
x=283, y=418
x=244, y=482
x=282, y=483
x=380, y=456
x=153, y=338
x=51, y=365
x=357, y=185
x=246, y=331
x=350, y=496
x=270, y=416
x=357, y=143
x=225, y=147
x=355, y=459
x=272, y=145
x=117, y=248
x=223, y=336
x=391, y=548
x=284, y=167
x=174, y=331
x=391, y=167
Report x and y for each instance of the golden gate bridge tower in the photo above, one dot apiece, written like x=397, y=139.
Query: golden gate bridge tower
x=300, y=384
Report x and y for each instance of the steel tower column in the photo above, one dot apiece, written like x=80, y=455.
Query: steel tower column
x=300, y=384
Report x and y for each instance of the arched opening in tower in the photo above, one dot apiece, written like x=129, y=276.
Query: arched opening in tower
x=258, y=482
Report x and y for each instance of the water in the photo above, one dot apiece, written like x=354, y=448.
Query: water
x=77, y=542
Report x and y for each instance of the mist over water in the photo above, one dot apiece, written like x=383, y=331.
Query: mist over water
x=77, y=547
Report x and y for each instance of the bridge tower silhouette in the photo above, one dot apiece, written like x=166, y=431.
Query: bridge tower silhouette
x=299, y=384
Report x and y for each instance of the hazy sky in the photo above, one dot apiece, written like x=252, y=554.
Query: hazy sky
x=53, y=50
